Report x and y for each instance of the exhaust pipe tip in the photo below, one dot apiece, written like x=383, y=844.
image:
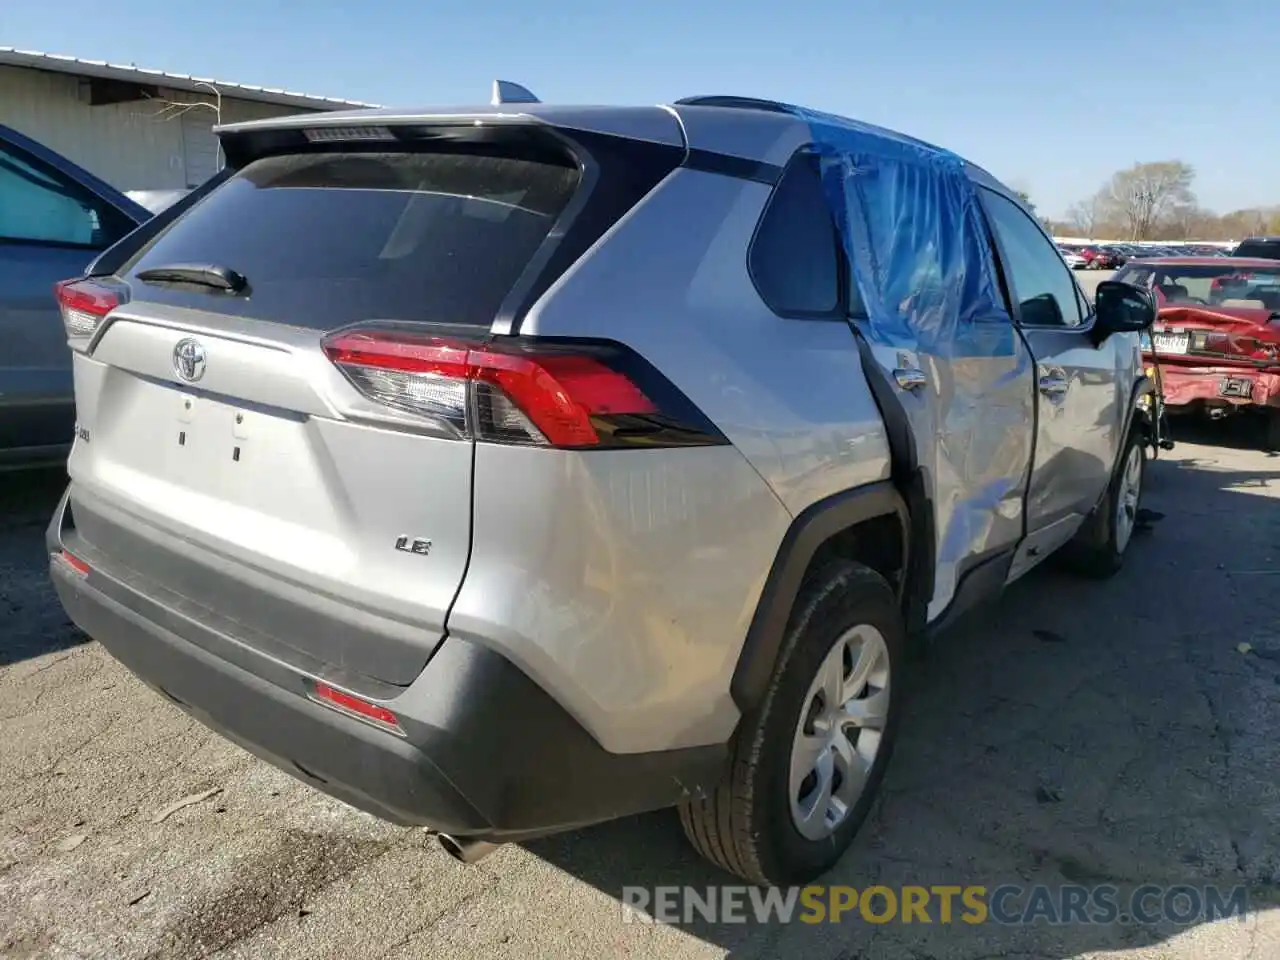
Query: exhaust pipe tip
x=464, y=849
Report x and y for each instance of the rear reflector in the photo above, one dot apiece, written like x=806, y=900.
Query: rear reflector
x=573, y=395
x=74, y=562
x=84, y=303
x=362, y=709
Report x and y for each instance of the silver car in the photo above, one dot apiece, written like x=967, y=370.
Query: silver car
x=507, y=470
x=55, y=217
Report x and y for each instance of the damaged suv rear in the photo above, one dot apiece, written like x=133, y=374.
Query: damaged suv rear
x=1217, y=336
x=506, y=470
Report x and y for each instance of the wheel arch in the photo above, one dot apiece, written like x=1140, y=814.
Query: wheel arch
x=871, y=524
x=1136, y=416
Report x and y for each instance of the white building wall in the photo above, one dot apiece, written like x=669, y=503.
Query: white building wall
x=130, y=145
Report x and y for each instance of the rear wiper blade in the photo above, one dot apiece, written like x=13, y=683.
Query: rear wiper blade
x=201, y=274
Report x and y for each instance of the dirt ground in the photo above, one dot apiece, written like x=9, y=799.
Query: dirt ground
x=1075, y=733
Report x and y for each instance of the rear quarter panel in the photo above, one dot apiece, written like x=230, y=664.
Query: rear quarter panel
x=629, y=590
x=670, y=280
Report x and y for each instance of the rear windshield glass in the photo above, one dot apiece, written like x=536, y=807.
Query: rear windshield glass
x=325, y=240
x=1226, y=284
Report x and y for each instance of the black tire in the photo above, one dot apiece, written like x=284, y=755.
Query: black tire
x=745, y=826
x=1096, y=552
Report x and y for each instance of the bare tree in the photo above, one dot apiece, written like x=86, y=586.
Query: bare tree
x=1186, y=221
x=1086, y=215
x=1140, y=197
x=176, y=109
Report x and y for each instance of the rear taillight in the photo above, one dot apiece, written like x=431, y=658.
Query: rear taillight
x=1237, y=345
x=1265, y=352
x=576, y=395
x=84, y=303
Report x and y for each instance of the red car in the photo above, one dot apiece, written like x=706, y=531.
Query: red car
x=1101, y=258
x=1217, y=334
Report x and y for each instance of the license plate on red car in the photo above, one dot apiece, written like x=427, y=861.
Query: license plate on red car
x=1172, y=342
x=1236, y=387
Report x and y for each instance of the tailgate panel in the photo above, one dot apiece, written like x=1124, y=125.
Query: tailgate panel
x=282, y=520
x=233, y=473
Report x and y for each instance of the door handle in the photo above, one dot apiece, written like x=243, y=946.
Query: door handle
x=909, y=378
x=1054, y=385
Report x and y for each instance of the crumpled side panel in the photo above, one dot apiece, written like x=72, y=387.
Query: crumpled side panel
x=912, y=227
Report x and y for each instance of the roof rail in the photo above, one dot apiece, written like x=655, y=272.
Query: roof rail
x=739, y=103
x=504, y=91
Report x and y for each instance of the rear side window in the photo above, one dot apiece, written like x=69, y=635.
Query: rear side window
x=795, y=258
x=327, y=239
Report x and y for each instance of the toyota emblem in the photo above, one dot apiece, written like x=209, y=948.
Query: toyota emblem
x=188, y=360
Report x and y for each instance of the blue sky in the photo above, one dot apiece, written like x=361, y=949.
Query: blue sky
x=1050, y=99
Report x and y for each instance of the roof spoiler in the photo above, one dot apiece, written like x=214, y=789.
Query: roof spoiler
x=504, y=91
x=742, y=103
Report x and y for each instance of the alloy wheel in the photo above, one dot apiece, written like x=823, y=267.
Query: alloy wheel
x=839, y=732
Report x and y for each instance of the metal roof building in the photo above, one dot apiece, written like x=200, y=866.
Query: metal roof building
x=137, y=129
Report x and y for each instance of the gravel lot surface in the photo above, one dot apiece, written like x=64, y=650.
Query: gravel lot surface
x=1075, y=733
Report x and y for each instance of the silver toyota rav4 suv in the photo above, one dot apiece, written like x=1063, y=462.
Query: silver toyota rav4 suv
x=505, y=470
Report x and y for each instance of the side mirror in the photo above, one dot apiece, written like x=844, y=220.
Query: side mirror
x=1121, y=308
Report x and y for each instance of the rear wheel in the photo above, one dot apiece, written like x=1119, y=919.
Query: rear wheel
x=808, y=762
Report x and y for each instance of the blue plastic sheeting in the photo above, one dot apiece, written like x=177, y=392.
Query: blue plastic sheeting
x=911, y=225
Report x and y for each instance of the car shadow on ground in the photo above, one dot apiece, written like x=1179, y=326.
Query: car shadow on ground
x=34, y=623
x=1073, y=733
x=1240, y=432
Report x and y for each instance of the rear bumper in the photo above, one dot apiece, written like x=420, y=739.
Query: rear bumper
x=487, y=753
x=1198, y=385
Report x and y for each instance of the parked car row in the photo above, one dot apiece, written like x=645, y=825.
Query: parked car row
x=1112, y=256
x=1093, y=257
x=1072, y=257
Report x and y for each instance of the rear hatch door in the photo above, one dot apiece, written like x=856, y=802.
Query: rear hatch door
x=225, y=462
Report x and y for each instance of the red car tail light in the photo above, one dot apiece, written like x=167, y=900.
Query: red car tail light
x=1265, y=352
x=542, y=393
x=84, y=302
x=1238, y=346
